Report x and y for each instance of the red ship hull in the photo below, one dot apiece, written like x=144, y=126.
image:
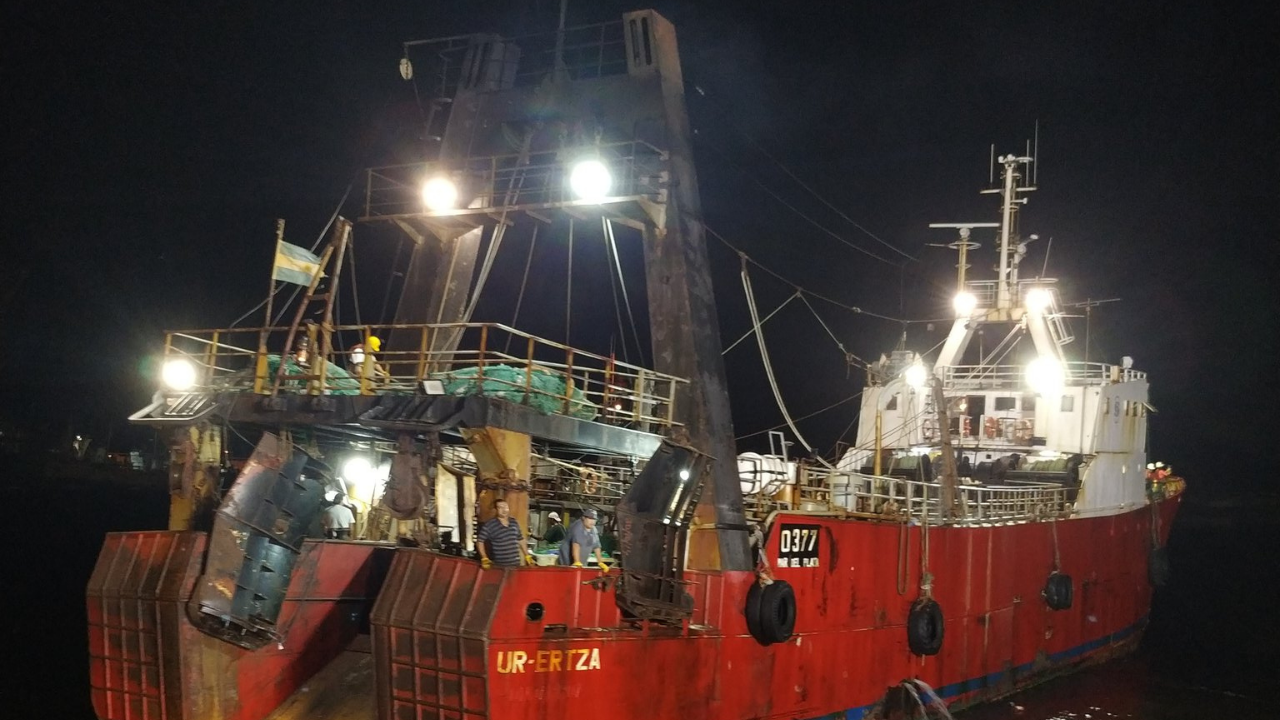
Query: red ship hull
x=452, y=641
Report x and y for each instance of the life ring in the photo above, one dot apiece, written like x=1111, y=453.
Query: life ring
x=925, y=627
x=771, y=612
x=1059, y=592
x=1158, y=567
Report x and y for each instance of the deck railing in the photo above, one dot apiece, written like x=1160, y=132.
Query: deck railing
x=477, y=358
x=898, y=498
x=1013, y=377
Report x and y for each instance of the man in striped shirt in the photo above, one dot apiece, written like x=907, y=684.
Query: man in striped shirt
x=500, y=541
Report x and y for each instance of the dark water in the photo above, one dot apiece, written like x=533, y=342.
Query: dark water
x=1210, y=652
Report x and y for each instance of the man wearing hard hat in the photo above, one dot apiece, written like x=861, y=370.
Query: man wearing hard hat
x=363, y=358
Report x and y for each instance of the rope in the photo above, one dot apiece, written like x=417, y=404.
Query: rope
x=298, y=288
x=823, y=200
x=833, y=405
x=568, y=290
x=752, y=331
x=613, y=290
x=926, y=580
x=622, y=282
x=1057, y=556
x=768, y=367
x=807, y=218
x=834, y=339
x=799, y=288
x=523, y=281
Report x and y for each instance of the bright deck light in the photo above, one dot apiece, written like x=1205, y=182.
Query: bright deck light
x=178, y=374
x=916, y=376
x=964, y=303
x=1038, y=300
x=590, y=180
x=439, y=193
x=1045, y=375
x=357, y=469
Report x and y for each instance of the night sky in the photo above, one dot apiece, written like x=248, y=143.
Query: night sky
x=149, y=150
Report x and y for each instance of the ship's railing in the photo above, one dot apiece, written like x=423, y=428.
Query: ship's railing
x=1013, y=377
x=478, y=358
x=897, y=497
x=578, y=53
x=496, y=183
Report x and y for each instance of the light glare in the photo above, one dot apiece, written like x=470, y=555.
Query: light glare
x=964, y=303
x=178, y=374
x=590, y=180
x=439, y=194
x=1045, y=375
x=1038, y=299
x=916, y=376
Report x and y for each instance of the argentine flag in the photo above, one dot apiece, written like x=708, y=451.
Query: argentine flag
x=294, y=265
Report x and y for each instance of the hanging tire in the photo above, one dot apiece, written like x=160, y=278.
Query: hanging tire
x=925, y=627
x=753, y=612
x=1059, y=591
x=771, y=612
x=1158, y=567
x=778, y=611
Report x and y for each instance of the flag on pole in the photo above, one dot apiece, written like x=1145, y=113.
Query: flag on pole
x=294, y=264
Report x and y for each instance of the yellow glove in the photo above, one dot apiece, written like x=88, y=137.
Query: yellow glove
x=604, y=568
x=525, y=561
x=485, y=563
x=577, y=564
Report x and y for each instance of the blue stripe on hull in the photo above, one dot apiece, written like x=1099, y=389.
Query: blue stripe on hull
x=955, y=690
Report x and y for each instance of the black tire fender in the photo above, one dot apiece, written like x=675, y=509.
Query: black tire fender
x=1158, y=567
x=925, y=627
x=778, y=611
x=1059, y=591
x=752, y=612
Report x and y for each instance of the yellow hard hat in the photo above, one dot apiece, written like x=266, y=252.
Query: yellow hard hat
x=374, y=343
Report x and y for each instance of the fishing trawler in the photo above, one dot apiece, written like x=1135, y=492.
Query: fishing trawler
x=990, y=527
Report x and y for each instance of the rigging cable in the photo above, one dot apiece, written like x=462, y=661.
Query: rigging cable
x=768, y=367
x=748, y=333
x=515, y=317
x=568, y=291
x=752, y=141
x=779, y=426
x=810, y=293
x=622, y=281
x=314, y=245
x=613, y=290
x=769, y=191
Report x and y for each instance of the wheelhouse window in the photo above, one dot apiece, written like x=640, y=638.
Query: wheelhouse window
x=1006, y=403
x=1068, y=403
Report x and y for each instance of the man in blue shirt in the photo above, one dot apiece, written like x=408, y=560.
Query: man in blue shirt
x=504, y=541
x=581, y=541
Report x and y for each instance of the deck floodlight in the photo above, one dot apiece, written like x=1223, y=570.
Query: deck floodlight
x=964, y=303
x=178, y=374
x=916, y=375
x=590, y=180
x=357, y=469
x=1045, y=375
x=1038, y=300
x=439, y=193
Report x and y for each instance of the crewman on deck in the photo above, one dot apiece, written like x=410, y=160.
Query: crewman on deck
x=555, y=530
x=362, y=350
x=500, y=540
x=338, y=519
x=582, y=540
